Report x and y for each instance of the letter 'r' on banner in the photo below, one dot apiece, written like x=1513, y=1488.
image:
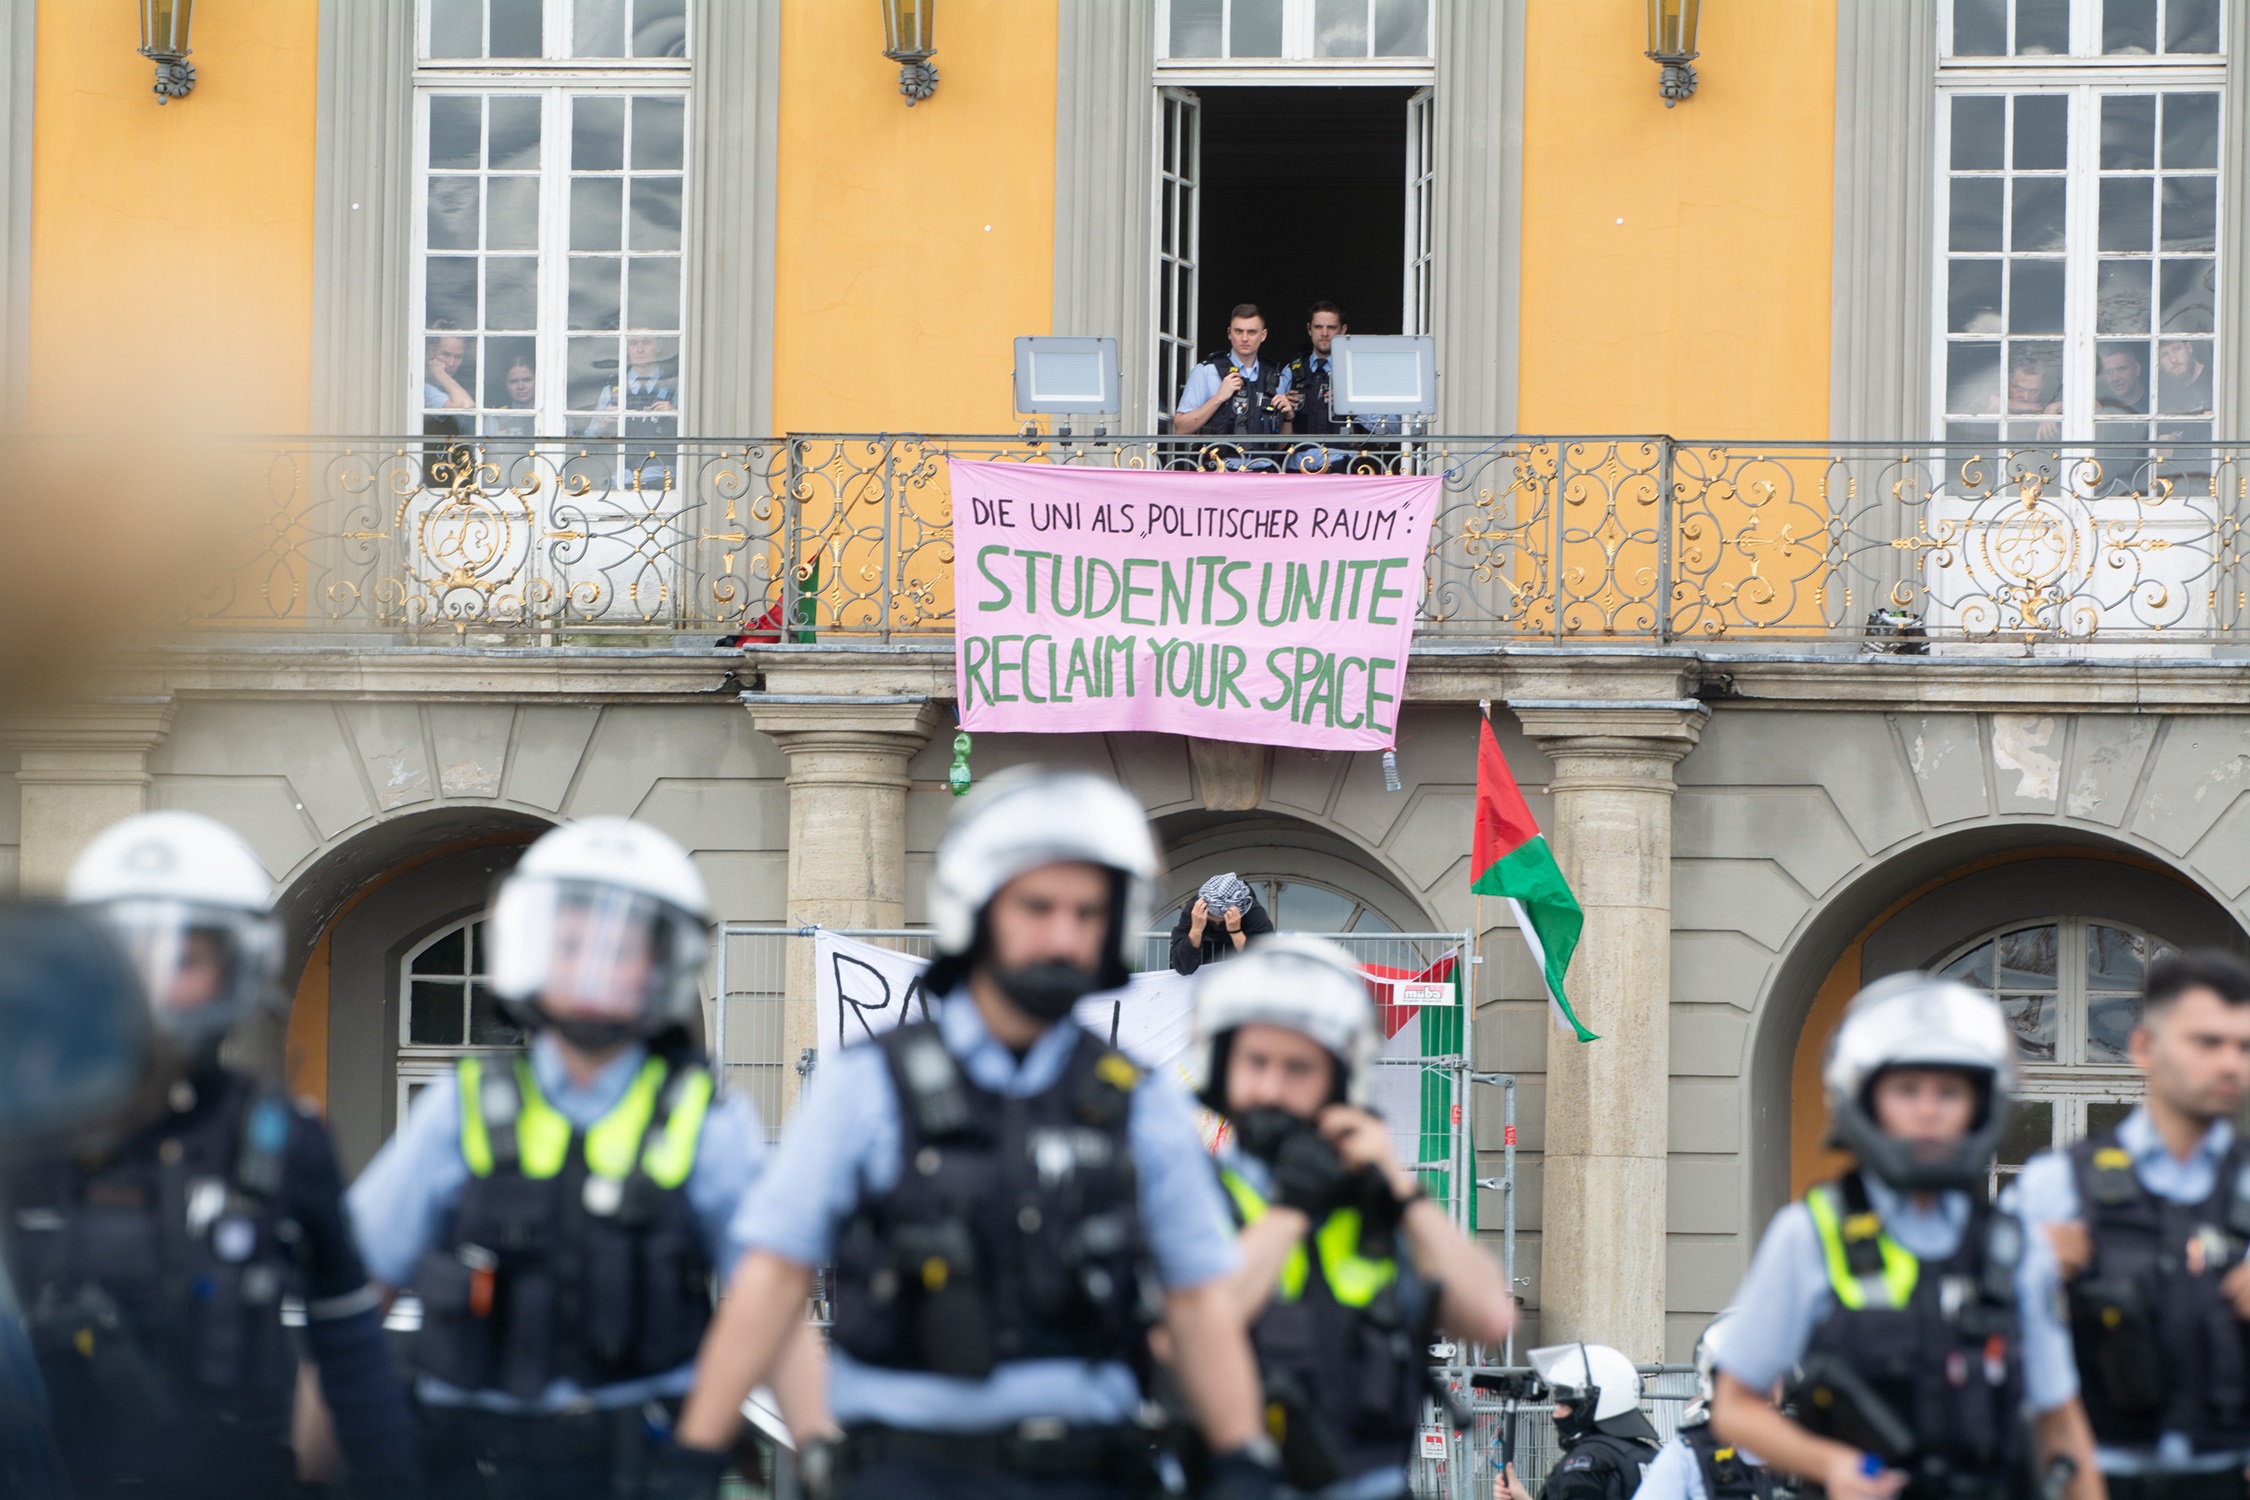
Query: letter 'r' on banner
x=1272, y=609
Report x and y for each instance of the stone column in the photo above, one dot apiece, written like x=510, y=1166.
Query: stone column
x=1602, y=1246
x=847, y=822
x=84, y=767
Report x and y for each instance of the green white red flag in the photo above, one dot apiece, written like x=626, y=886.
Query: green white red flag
x=1510, y=859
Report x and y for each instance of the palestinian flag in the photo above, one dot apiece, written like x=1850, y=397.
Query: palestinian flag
x=1511, y=859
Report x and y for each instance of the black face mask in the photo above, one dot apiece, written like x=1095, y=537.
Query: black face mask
x=1262, y=1132
x=1580, y=1423
x=1046, y=991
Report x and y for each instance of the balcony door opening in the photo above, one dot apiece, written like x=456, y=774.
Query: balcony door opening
x=1284, y=196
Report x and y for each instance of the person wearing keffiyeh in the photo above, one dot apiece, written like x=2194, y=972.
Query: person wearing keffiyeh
x=1222, y=918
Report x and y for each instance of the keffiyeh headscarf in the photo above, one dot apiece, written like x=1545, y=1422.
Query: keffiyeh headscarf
x=1223, y=891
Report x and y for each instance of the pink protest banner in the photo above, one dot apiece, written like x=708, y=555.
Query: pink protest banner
x=1269, y=608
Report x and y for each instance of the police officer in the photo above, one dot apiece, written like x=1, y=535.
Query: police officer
x=2151, y=1218
x=1895, y=1288
x=1008, y=1204
x=1234, y=392
x=153, y=1265
x=1312, y=378
x=1347, y=1266
x=561, y=1214
x=1697, y=1464
x=1605, y=1440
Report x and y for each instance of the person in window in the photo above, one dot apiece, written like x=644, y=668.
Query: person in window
x=2124, y=380
x=1223, y=917
x=2145, y=1219
x=523, y=398
x=1311, y=379
x=1234, y=391
x=650, y=384
x=441, y=386
x=2029, y=388
x=2183, y=380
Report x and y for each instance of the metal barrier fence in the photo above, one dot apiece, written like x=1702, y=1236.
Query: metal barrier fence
x=1472, y=1456
x=827, y=537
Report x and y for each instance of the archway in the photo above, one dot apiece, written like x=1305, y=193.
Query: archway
x=1916, y=909
x=1342, y=886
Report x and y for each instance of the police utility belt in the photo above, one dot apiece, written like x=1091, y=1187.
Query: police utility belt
x=2160, y=1349
x=1042, y=1448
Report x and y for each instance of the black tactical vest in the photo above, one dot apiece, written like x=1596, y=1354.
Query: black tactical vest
x=1726, y=1474
x=572, y=1253
x=1014, y=1230
x=2159, y=1347
x=1599, y=1466
x=1250, y=411
x=1920, y=1363
x=1316, y=410
x=1343, y=1366
x=152, y=1280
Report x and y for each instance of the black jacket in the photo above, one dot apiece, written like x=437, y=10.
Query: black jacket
x=1187, y=957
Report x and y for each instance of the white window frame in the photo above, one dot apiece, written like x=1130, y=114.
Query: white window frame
x=2084, y=75
x=552, y=79
x=421, y=1063
x=1296, y=65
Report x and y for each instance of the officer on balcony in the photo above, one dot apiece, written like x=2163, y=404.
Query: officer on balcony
x=561, y=1214
x=1235, y=393
x=153, y=1262
x=1008, y=1204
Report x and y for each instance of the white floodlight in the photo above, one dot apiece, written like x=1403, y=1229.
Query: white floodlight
x=1384, y=375
x=1058, y=376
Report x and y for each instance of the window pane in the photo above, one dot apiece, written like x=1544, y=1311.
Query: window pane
x=2032, y=1019
x=1372, y=921
x=2034, y=389
x=1402, y=28
x=2183, y=377
x=2031, y=1130
x=2106, y=1114
x=2191, y=213
x=2110, y=1020
x=516, y=28
x=433, y=1013
x=511, y=292
x=595, y=212
x=2129, y=26
x=2121, y=297
x=597, y=134
x=593, y=291
x=660, y=28
x=1980, y=28
x=1979, y=133
x=2191, y=26
x=1972, y=379
x=515, y=134
x=1976, y=214
x=1195, y=27
x=593, y=370
x=2115, y=958
x=597, y=28
x=2042, y=134
x=657, y=129
x=454, y=124
x=2035, y=296
x=2042, y=28
x=456, y=28
x=652, y=292
x=2128, y=132
x=511, y=214
x=453, y=213
x=2027, y=957
x=2126, y=216
x=450, y=291
x=445, y=956
x=2191, y=131
x=656, y=213
x=1308, y=908
x=1972, y=293
x=2121, y=378
x=2037, y=223
x=489, y=1025
x=2189, y=291
x=511, y=379
x=1339, y=28
x=1257, y=29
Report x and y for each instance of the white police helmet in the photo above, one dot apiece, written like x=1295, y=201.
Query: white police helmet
x=1025, y=819
x=1917, y=1020
x=600, y=931
x=1588, y=1376
x=1306, y=984
x=1710, y=1348
x=192, y=907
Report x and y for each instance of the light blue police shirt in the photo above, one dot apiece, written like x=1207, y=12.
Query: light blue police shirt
x=1786, y=1295
x=1203, y=381
x=2047, y=1193
x=401, y=1204
x=1675, y=1475
x=843, y=1147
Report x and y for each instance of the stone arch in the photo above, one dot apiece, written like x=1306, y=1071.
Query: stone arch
x=1199, y=844
x=1907, y=906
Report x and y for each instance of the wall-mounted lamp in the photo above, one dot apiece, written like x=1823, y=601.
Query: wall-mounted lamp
x=908, y=40
x=1671, y=44
x=164, y=41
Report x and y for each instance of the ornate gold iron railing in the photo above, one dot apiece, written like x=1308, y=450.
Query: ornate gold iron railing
x=825, y=538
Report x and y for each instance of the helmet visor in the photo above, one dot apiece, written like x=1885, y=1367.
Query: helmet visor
x=201, y=968
x=591, y=952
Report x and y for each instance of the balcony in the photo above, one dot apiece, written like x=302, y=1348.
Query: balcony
x=832, y=539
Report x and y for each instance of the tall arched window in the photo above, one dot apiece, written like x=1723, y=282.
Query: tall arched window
x=2071, y=990
x=1298, y=905
x=446, y=1009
